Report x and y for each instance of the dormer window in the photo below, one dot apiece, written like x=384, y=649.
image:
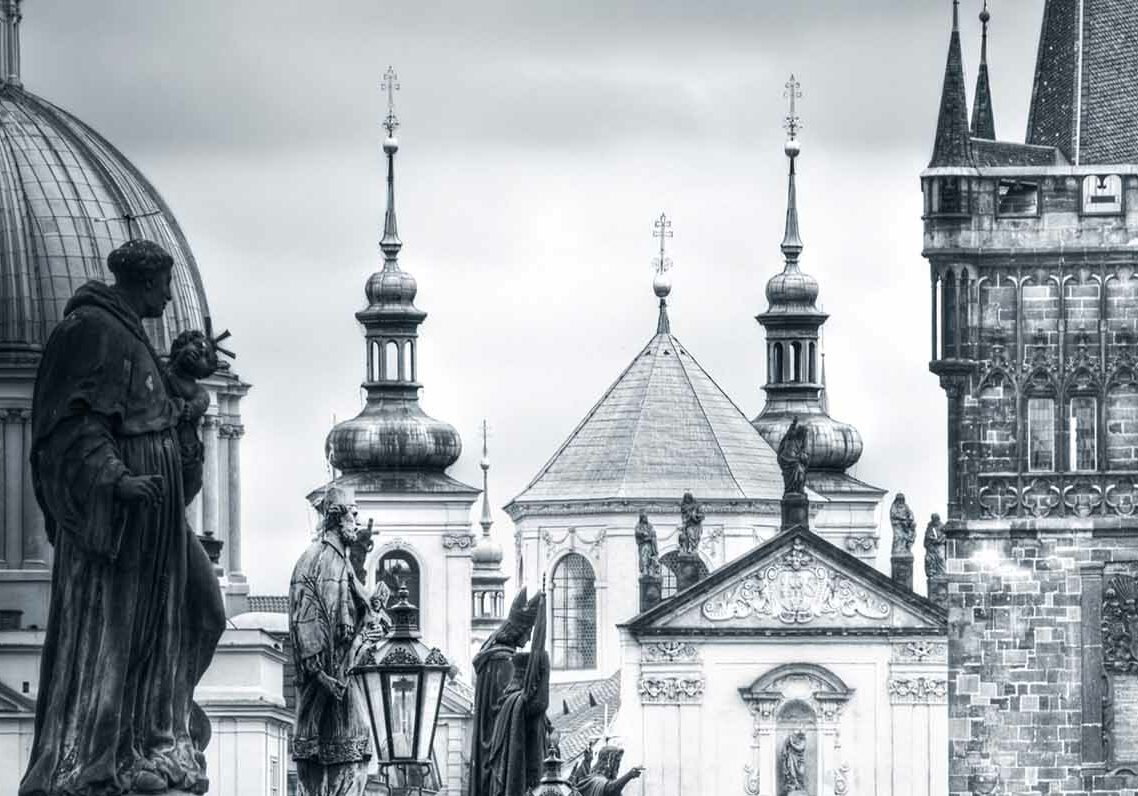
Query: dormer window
x=1017, y=198
x=1102, y=195
x=948, y=196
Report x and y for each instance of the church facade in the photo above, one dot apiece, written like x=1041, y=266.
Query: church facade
x=1035, y=341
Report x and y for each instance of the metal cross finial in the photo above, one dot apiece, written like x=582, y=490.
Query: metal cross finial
x=793, y=93
x=663, y=231
x=391, y=123
x=129, y=218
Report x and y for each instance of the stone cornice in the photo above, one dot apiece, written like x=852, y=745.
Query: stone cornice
x=519, y=511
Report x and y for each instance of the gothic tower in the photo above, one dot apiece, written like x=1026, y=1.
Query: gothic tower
x=1034, y=336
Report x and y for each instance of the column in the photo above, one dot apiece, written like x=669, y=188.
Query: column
x=932, y=321
x=35, y=534
x=235, y=434
x=953, y=391
x=13, y=487
x=223, y=434
x=209, y=477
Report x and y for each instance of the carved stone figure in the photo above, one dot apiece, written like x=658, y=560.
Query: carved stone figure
x=602, y=779
x=647, y=548
x=327, y=610
x=136, y=611
x=493, y=671
x=691, y=512
x=935, y=547
x=519, y=742
x=792, y=765
x=192, y=358
x=793, y=457
x=904, y=526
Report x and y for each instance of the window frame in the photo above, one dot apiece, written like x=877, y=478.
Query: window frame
x=568, y=650
x=1085, y=202
x=1050, y=402
x=1010, y=182
x=1072, y=431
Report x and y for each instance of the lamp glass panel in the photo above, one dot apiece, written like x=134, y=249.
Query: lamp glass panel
x=432, y=691
x=372, y=683
x=403, y=689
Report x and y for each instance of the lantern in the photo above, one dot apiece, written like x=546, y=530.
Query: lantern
x=402, y=680
x=551, y=782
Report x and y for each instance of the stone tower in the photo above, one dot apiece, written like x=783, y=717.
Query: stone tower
x=1034, y=336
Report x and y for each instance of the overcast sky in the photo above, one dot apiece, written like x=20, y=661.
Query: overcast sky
x=539, y=141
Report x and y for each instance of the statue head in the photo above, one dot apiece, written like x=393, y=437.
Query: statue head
x=142, y=270
x=643, y=520
x=899, y=497
x=608, y=761
x=339, y=514
x=192, y=356
x=687, y=499
x=935, y=520
x=523, y=613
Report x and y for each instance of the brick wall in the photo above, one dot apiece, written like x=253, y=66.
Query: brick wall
x=1122, y=428
x=1017, y=631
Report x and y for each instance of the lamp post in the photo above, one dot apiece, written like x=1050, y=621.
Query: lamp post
x=402, y=679
x=552, y=783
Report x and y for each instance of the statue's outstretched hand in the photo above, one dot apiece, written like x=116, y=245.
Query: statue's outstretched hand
x=140, y=489
x=635, y=771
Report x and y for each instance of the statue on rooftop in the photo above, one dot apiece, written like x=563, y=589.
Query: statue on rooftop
x=647, y=549
x=904, y=526
x=136, y=611
x=935, y=544
x=327, y=612
x=602, y=779
x=691, y=512
x=793, y=457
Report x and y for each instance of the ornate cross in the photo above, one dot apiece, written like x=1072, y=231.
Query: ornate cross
x=130, y=217
x=391, y=123
x=793, y=93
x=663, y=231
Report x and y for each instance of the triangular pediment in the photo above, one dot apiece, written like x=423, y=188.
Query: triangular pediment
x=794, y=584
x=12, y=701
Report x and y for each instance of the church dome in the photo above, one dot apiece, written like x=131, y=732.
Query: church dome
x=487, y=554
x=792, y=289
x=393, y=435
x=832, y=445
x=66, y=197
x=391, y=288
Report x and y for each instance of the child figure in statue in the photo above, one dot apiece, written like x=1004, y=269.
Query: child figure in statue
x=192, y=357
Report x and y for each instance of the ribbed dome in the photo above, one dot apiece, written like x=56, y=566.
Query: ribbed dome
x=792, y=290
x=391, y=287
x=832, y=445
x=64, y=193
x=487, y=554
x=393, y=435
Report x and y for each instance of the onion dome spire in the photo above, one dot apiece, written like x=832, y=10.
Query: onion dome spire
x=662, y=283
x=953, y=145
x=392, y=433
x=983, y=121
x=488, y=553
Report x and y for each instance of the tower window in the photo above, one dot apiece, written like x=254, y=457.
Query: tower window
x=776, y=368
x=409, y=360
x=400, y=568
x=812, y=361
x=1040, y=434
x=949, y=196
x=1083, y=437
x=1017, y=198
x=573, y=630
x=391, y=360
x=795, y=361
x=1102, y=194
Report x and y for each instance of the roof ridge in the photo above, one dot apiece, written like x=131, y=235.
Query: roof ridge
x=643, y=398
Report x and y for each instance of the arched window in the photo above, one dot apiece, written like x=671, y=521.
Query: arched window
x=574, y=614
x=668, y=574
x=1082, y=434
x=1040, y=435
x=398, y=568
x=776, y=368
x=796, y=364
x=813, y=364
x=391, y=360
x=409, y=361
x=373, y=361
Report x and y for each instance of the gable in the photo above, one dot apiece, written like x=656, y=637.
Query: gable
x=795, y=584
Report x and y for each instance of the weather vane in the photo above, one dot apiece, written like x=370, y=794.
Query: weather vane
x=793, y=93
x=390, y=86
x=129, y=218
x=663, y=231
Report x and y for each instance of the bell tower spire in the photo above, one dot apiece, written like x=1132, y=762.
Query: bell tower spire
x=662, y=283
x=953, y=146
x=983, y=122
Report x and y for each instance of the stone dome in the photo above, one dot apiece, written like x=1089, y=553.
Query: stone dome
x=832, y=445
x=393, y=435
x=487, y=554
x=65, y=193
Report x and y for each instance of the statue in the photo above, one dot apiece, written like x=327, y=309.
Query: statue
x=493, y=670
x=646, y=547
x=191, y=358
x=602, y=780
x=792, y=765
x=518, y=744
x=793, y=457
x=136, y=611
x=327, y=611
x=904, y=526
x=935, y=547
x=691, y=512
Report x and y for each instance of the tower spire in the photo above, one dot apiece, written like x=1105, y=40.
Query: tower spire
x=791, y=241
x=390, y=244
x=10, y=16
x=662, y=283
x=487, y=520
x=983, y=122
x=953, y=146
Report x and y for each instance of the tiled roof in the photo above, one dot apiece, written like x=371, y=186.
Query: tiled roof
x=268, y=603
x=663, y=428
x=577, y=711
x=1094, y=110
x=1006, y=153
x=983, y=120
x=951, y=146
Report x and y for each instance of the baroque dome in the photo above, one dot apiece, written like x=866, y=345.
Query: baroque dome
x=66, y=192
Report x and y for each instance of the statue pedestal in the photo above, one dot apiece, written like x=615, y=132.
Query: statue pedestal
x=649, y=591
x=795, y=510
x=687, y=570
x=903, y=570
x=938, y=590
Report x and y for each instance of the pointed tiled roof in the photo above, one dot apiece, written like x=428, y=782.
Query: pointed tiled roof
x=1085, y=96
x=983, y=120
x=662, y=429
x=952, y=146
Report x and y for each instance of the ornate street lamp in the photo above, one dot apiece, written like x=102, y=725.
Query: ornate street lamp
x=551, y=782
x=402, y=679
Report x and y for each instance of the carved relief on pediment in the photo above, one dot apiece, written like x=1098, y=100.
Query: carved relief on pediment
x=796, y=588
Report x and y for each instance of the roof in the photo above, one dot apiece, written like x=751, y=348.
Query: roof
x=1085, y=95
x=826, y=592
x=12, y=701
x=63, y=192
x=1006, y=153
x=578, y=710
x=952, y=144
x=663, y=428
x=268, y=604
x=983, y=119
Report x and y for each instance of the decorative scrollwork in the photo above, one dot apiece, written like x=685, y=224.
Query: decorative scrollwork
x=908, y=690
x=842, y=780
x=750, y=780
x=669, y=652
x=1122, y=497
x=458, y=541
x=401, y=656
x=671, y=690
x=1120, y=625
x=1082, y=498
x=1040, y=497
x=436, y=658
x=998, y=498
x=859, y=545
x=920, y=651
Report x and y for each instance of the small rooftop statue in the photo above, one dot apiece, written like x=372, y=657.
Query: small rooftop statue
x=691, y=512
x=647, y=548
x=904, y=526
x=793, y=457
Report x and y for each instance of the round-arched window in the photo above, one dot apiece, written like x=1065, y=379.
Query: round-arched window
x=573, y=598
x=396, y=568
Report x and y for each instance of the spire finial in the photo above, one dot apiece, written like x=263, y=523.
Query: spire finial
x=662, y=283
x=390, y=243
x=10, y=15
x=487, y=520
x=983, y=119
x=956, y=15
x=791, y=242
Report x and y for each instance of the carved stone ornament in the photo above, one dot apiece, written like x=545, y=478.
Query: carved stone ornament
x=998, y=498
x=710, y=542
x=911, y=690
x=1120, y=625
x=920, y=652
x=860, y=545
x=1082, y=498
x=1122, y=497
x=750, y=780
x=458, y=541
x=1040, y=497
x=796, y=588
x=842, y=780
x=669, y=652
x=671, y=690
x=570, y=541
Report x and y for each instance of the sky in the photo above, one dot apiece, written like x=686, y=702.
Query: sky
x=538, y=143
